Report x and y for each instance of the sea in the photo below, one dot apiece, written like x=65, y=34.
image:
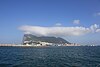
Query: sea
x=70, y=56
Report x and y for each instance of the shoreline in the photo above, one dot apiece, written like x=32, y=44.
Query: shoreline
x=28, y=46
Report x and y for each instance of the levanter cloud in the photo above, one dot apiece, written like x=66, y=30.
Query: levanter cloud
x=59, y=31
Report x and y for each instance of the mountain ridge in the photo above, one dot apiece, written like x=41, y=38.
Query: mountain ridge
x=55, y=40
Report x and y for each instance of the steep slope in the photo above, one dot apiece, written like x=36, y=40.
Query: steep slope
x=57, y=40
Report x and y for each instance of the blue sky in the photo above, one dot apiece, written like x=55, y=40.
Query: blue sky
x=48, y=13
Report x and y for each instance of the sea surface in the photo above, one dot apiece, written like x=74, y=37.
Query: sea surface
x=50, y=56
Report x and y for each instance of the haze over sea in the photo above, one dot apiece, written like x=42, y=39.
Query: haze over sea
x=81, y=56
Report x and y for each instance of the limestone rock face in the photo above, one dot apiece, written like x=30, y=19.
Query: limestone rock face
x=32, y=38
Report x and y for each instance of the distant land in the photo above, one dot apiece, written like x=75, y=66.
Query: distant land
x=33, y=40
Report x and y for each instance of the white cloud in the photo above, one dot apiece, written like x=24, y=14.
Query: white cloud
x=59, y=31
x=98, y=30
x=58, y=24
x=76, y=21
x=94, y=27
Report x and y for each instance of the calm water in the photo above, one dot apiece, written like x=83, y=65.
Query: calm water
x=49, y=56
